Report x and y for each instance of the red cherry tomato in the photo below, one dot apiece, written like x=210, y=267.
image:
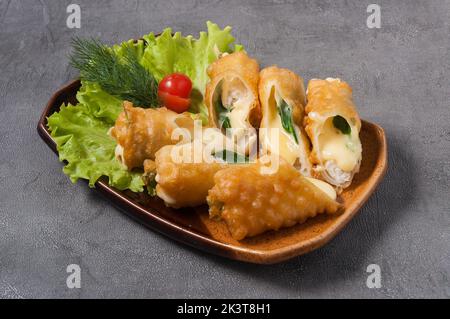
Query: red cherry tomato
x=174, y=91
x=173, y=102
x=176, y=84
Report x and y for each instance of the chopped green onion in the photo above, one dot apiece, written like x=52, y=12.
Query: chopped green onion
x=285, y=112
x=341, y=124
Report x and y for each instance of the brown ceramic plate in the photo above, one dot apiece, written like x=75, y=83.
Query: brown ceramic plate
x=193, y=227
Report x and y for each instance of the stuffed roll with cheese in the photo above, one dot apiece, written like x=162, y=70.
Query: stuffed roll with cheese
x=140, y=133
x=333, y=126
x=251, y=203
x=232, y=97
x=282, y=97
x=184, y=173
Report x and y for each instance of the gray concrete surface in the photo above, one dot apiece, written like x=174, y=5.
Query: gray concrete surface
x=400, y=76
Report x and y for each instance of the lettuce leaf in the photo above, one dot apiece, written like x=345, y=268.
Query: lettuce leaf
x=99, y=103
x=81, y=134
x=83, y=141
x=169, y=53
x=81, y=131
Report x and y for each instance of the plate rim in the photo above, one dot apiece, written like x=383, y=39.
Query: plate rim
x=149, y=216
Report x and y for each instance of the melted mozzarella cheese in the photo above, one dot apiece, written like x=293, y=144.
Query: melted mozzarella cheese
x=239, y=114
x=287, y=147
x=344, y=149
x=118, y=152
x=277, y=140
x=238, y=97
x=165, y=197
x=324, y=187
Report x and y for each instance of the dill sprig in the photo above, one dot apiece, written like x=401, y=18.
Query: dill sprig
x=121, y=76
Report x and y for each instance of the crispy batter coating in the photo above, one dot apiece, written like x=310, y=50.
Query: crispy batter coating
x=140, y=133
x=288, y=84
x=326, y=99
x=251, y=203
x=183, y=184
x=225, y=71
x=282, y=83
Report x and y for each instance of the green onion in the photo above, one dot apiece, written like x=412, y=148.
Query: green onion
x=222, y=114
x=231, y=157
x=285, y=112
x=341, y=124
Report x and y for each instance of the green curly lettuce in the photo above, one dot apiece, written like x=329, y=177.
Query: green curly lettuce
x=100, y=104
x=169, y=53
x=81, y=131
x=83, y=141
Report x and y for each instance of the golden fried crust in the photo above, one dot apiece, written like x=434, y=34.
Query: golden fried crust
x=235, y=65
x=142, y=132
x=149, y=166
x=328, y=98
x=288, y=84
x=183, y=184
x=251, y=203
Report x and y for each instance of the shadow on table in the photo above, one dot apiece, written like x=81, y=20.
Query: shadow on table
x=345, y=255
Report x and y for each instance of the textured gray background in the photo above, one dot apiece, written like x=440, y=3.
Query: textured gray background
x=400, y=78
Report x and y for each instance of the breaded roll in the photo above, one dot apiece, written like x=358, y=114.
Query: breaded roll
x=140, y=133
x=282, y=97
x=184, y=173
x=251, y=203
x=232, y=97
x=182, y=184
x=333, y=126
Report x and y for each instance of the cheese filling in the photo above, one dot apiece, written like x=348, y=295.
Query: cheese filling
x=165, y=197
x=275, y=134
x=342, y=149
x=118, y=153
x=324, y=187
x=238, y=99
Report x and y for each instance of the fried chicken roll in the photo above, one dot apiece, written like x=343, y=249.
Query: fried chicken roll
x=184, y=173
x=251, y=203
x=282, y=96
x=333, y=126
x=232, y=97
x=140, y=133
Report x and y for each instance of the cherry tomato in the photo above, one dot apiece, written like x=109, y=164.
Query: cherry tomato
x=176, y=84
x=173, y=102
